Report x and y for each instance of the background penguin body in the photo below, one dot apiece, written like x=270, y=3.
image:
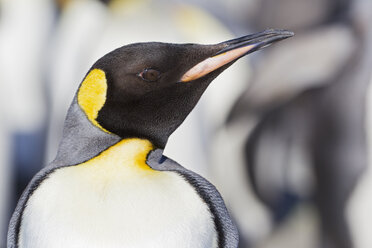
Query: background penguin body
x=304, y=153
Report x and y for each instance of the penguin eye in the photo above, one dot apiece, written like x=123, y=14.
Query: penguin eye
x=150, y=75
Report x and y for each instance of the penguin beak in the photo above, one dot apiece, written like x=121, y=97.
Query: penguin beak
x=235, y=49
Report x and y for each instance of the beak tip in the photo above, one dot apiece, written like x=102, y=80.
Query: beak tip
x=288, y=33
x=277, y=31
x=280, y=32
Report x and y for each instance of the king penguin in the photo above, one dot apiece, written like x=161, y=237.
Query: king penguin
x=110, y=184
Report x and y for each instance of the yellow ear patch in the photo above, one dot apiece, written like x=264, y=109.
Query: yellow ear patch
x=92, y=95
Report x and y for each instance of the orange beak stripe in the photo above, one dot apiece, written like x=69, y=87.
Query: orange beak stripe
x=210, y=64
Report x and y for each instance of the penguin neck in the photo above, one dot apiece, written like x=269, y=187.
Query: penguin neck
x=126, y=155
x=82, y=141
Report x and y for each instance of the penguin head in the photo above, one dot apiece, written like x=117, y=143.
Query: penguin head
x=146, y=90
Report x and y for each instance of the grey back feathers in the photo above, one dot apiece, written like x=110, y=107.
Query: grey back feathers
x=81, y=140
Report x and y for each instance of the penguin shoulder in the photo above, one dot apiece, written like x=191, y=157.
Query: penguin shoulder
x=225, y=227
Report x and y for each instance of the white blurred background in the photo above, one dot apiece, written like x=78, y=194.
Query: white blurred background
x=284, y=134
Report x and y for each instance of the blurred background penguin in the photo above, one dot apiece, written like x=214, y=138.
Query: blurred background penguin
x=284, y=137
x=300, y=129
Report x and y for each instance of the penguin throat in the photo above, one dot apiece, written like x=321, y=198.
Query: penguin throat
x=126, y=154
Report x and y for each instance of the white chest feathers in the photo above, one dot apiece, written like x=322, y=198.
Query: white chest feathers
x=115, y=200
